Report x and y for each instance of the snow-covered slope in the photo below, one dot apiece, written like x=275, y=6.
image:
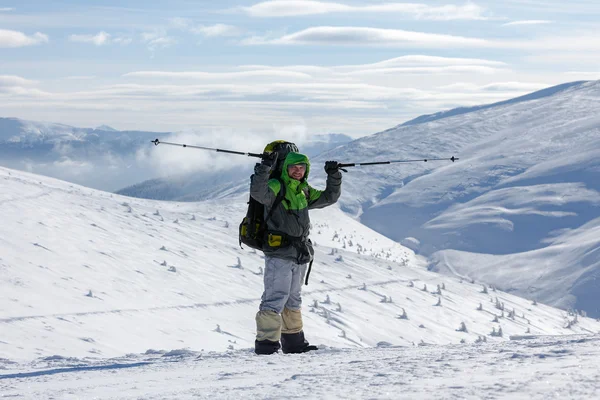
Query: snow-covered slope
x=85, y=273
x=526, y=186
x=464, y=110
x=567, y=270
x=528, y=369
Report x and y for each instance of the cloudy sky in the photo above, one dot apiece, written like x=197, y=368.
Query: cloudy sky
x=283, y=66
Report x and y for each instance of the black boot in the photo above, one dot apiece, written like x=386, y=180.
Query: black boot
x=266, y=347
x=295, y=343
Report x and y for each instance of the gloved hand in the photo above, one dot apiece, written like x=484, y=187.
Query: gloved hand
x=269, y=159
x=331, y=167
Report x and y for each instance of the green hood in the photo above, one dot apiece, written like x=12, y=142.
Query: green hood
x=291, y=159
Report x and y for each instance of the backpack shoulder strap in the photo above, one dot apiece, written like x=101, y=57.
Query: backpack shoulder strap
x=306, y=191
x=278, y=199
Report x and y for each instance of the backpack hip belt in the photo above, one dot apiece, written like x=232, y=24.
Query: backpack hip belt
x=280, y=239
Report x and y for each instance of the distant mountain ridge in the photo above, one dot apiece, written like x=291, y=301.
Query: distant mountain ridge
x=463, y=110
x=18, y=131
x=108, y=159
x=103, y=158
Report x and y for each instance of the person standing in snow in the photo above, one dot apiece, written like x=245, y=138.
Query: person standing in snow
x=287, y=249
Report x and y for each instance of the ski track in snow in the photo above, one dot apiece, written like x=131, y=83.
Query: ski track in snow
x=539, y=368
x=186, y=306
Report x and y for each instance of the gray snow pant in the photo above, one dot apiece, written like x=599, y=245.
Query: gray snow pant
x=281, y=300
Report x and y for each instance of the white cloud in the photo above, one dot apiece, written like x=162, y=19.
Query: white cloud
x=23, y=92
x=270, y=73
x=572, y=42
x=73, y=167
x=574, y=58
x=495, y=87
x=6, y=9
x=420, y=60
x=13, y=80
x=99, y=39
x=13, y=85
x=410, y=64
x=161, y=42
x=80, y=77
x=453, y=69
x=360, y=98
x=179, y=23
x=369, y=36
x=516, y=86
x=288, y=8
x=582, y=42
x=584, y=75
x=148, y=36
x=528, y=22
x=217, y=30
x=13, y=39
x=122, y=40
x=158, y=40
x=396, y=67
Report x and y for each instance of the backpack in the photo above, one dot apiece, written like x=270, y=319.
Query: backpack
x=252, y=230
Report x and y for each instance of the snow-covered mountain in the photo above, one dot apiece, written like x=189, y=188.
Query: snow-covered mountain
x=101, y=158
x=91, y=274
x=464, y=110
x=520, y=209
x=107, y=159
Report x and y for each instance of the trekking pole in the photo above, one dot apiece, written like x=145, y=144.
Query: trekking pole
x=397, y=161
x=259, y=155
x=241, y=153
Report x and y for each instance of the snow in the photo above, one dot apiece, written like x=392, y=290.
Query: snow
x=539, y=368
x=104, y=295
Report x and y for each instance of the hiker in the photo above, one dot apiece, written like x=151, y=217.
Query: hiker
x=287, y=248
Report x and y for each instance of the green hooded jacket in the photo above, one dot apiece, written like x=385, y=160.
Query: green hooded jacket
x=290, y=218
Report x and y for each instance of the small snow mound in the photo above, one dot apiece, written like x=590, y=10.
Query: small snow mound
x=152, y=351
x=180, y=353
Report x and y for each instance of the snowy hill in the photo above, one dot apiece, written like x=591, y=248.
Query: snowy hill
x=464, y=110
x=91, y=274
x=518, y=210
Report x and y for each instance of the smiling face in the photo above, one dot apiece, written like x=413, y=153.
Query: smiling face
x=296, y=171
